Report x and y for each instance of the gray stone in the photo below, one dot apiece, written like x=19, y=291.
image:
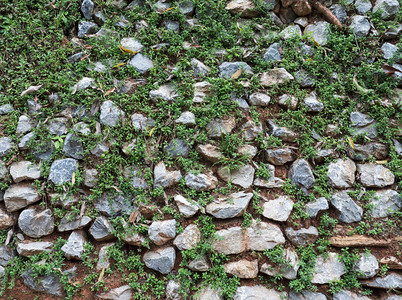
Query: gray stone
x=161, y=260
x=110, y=114
x=110, y=205
x=131, y=44
x=312, y=103
x=3, y=170
x=341, y=174
x=301, y=174
x=99, y=18
x=273, y=53
x=312, y=208
x=280, y=157
x=90, y=177
x=360, y=120
x=103, y=258
x=87, y=8
x=62, y=170
x=172, y=290
x=36, y=223
x=360, y=25
x=227, y=69
x=83, y=84
x=160, y=232
x=230, y=241
x=372, y=175
x=391, y=281
x=23, y=144
x=121, y=293
x=363, y=6
x=217, y=127
x=247, y=150
x=141, y=63
x=366, y=266
x=24, y=170
x=43, y=153
x=186, y=7
x=363, y=152
x=385, y=202
x=6, y=219
x=85, y=27
x=201, y=182
x=291, y=30
x=389, y=50
x=276, y=76
x=24, y=124
x=250, y=130
x=288, y=270
x=245, y=8
x=398, y=147
x=278, y=209
x=201, y=91
x=6, y=109
x=231, y=206
x=199, y=68
x=100, y=149
x=70, y=222
x=49, y=284
x=34, y=107
x=57, y=126
x=7, y=255
x=6, y=145
x=303, y=236
x=263, y=235
x=74, y=248
x=187, y=208
x=240, y=100
x=393, y=32
x=76, y=57
x=208, y=293
x=306, y=295
x=370, y=131
x=305, y=79
x=177, y=148
x=34, y=248
x=73, y=146
x=259, y=99
x=136, y=177
x=186, y=118
x=164, y=178
x=244, y=176
x=166, y=92
x=348, y=295
x=283, y=133
x=318, y=31
x=101, y=230
x=386, y=8
x=302, y=21
x=189, y=238
x=209, y=152
x=242, y=268
x=339, y=11
x=328, y=269
x=20, y=195
x=200, y=264
x=258, y=292
x=349, y=211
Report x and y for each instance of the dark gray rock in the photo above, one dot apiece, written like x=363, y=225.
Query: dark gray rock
x=7, y=254
x=312, y=208
x=62, y=170
x=251, y=130
x=57, y=126
x=186, y=7
x=360, y=120
x=99, y=18
x=6, y=145
x=283, y=133
x=304, y=78
x=101, y=230
x=111, y=205
x=43, y=152
x=301, y=174
x=141, y=63
x=73, y=146
x=87, y=9
x=303, y=236
x=227, y=69
x=177, y=148
x=339, y=11
x=363, y=152
x=280, y=157
x=85, y=27
x=312, y=103
x=74, y=248
x=70, y=223
x=391, y=281
x=49, y=284
x=161, y=260
x=387, y=8
x=36, y=223
x=349, y=211
x=273, y=53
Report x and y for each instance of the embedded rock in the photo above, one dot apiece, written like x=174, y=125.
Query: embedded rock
x=199, y=68
x=242, y=268
x=164, y=178
x=6, y=219
x=121, y=293
x=200, y=264
x=387, y=8
x=363, y=152
x=141, y=122
x=101, y=230
x=6, y=145
x=230, y=241
x=360, y=25
x=348, y=295
x=245, y=8
x=24, y=170
x=201, y=91
x=301, y=174
x=166, y=92
x=177, y=148
x=87, y=8
x=278, y=209
x=36, y=223
x=363, y=6
x=227, y=69
x=372, y=175
x=291, y=30
x=110, y=114
x=229, y=207
x=74, y=248
x=62, y=170
x=288, y=101
x=186, y=118
x=20, y=195
x=73, y=146
x=391, y=281
x=250, y=130
x=161, y=260
x=385, y=202
x=187, y=208
x=341, y=174
x=349, y=211
x=366, y=266
x=58, y=126
x=209, y=152
x=263, y=235
x=257, y=292
x=280, y=157
x=110, y=205
x=312, y=103
x=328, y=269
x=189, y=238
x=273, y=53
x=103, y=260
x=277, y=76
x=306, y=295
x=283, y=133
x=318, y=31
x=141, y=63
x=208, y=293
x=160, y=232
x=288, y=270
x=34, y=248
x=303, y=236
x=24, y=124
x=243, y=176
x=217, y=127
x=131, y=44
x=70, y=223
x=312, y=208
x=201, y=182
x=259, y=99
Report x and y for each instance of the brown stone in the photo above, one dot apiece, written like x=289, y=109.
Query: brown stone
x=287, y=3
x=392, y=262
x=357, y=240
x=301, y=8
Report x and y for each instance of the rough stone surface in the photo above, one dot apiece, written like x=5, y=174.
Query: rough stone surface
x=208, y=293
x=74, y=248
x=360, y=25
x=187, y=208
x=24, y=124
x=110, y=205
x=141, y=63
x=6, y=109
x=6, y=219
x=273, y=53
x=288, y=101
x=259, y=99
x=312, y=208
x=363, y=6
x=275, y=77
x=24, y=170
x=231, y=206
x=161, y=260
x=177, y=148
x=20, y=195
x=90, y=177
x=34, y=248
x=278, y=209
x=6, y=145
x=189, y=238
x=263, y=235
x=160, y=232
x=110, y=114
x=200, y=264
x=73, y=146
x=199, y=68
x=141, y=122
x=120, y=293
x=366, y=266
x=49, y=284
x=218, y=127
x=243, y=176
x=209, y=152
x=385, y=202
x=349, y=211
x=287, y=270
x=372, y=175
x=165, y=178
x=242, y=268
x=186, y=118
x=257, y=292
x=245, y=8
x=348, y=295
x=62, y=170
x=312, y=103
x=251, y=130
x=318, y=31
x=166, y=92
x=280, y=157
x=201, y=182
x=390, y=281
x=70, y=223
x=387, y=8
x=36, y=223
x=285, y=134
x=131, y=44
x=329, y=269
x=227, y=69
x=306, y=295
x=230, y=241
x=101, y=229
x=341, y=174
x=301, y=174
x=303, y=236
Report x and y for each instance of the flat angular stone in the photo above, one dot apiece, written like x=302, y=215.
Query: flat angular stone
x=73, y=146
x=201, y=182
x=348, y=295
x=230, y=241
x=312, y=208
x=33, y=248
x=209, y=152
x=58, y=126
x=318, y=31
x=121, y=293
x=303, y=236
x=263, y=235
x=259, y=99
x=229, y=207
x=360, y=25
x=20, y=195
x=199, y=264
x=160, y=232
x=291, y=30
x=245, y=8
x=110, y=205
x=217, y=127
x=349, y=211
x=251, y=130
x=164, y=178
x=341, y=174
x=329, y=269
x=141, y=63
x=366, y=266
x=110, y=114
x=36, y=223
x=363, y=152
x=301, y=174
x=288, y=101
x=62, y=170
x=74, y=248
x=285, y=134
x=287, y=270
x=6, y=145
x=101, y=229
x=189, y=238
x=312, y=103
x=24, y=124
x=131, y=44
x=165, y=92
x=24, y=170
x=177, y=148
x=199, y=68
x=372, y=175
x=280, y=157
x=227, y=69
x=49, y=284
x=257, y=292
x=243, y=176
x=187, y=208
x=387, y=8
x=242, y=268
x=385, y=202
x=186, y=118
x=391, y=281
x=6, y=219
x=161, y=260
x=201, y=91
x=278, y=209
x=277, y=76
x=6, y=109
x=306, y=295
x=69, y=223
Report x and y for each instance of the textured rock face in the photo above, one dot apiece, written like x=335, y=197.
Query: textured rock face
x=327, y=270
x=24, y=170
x=372, y=175
x=110, y=114
x=230, y=241
x=121, y=293
x=242, y=268
x=227, y=69
x=6, y=145
x=187, y=208
x=257, y=292
x=162, y=231
x=341, y=174
x=366, y=266
x=36, y=223
x=280, y=157
x=391, y=281
x=245, y=8
x=349, y=211
x=278, y=209
x=385, y=202
x=62, y=170
x=243, y=176
x=161, y=260
x=218, y=127
x=277, y=76
x=74, y=248
x=20, y=195
x=201, y=182
x=33, y=248
x=288, y=270
x=101, y=230
x=301, y=174
x=312, y=208
x=302, y=236
x=263, y=235
x=165, y=178
x=141, y=63
x=189, y=238
x=6, y=219
x=208, y=293
x=318, y=31
x=228, y=207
